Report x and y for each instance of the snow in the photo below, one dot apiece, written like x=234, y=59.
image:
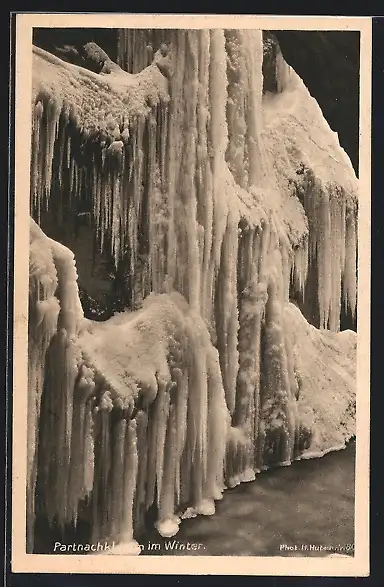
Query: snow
x=160, y=358
x=309, y=161
x=325, y=364
x=55, y=315
x=96, y=104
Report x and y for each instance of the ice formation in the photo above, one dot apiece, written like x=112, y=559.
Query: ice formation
x=220, y=200
x=310, y=162
x=54, y=316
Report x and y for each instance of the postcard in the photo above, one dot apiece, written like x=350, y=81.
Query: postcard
x=191, y=294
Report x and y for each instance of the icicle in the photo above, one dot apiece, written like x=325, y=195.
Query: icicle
x=116, y=487
x=324, y=256
x=292, y=412
x=80, y=456
x=204, y=176
x=156, y=414
x=71, y=312
x=158, y=227
x=42, y=325
x=342, y=223
x=197, y=436
x=218, y=425
x=285, y=266
x=89, y=449
x=142, y=453
x=181, y=380
x=237, y=88
x=300, y=266
x=52, y=120
x=254, y=58
x=248, y=378
x=64, y=426
x=62, y=139
x=167, y=524
x=130, y=478
x=276, y=408
x=162, y=138
x=116, y=157
x=336, y=238
x=101, y=525
x=218, y=95
x=164, y=401
x=282, y=72
x=175, y=149
x=188, y=283
x=227, y=318
x=55, y=443
x=35, y=156
x=349, y=281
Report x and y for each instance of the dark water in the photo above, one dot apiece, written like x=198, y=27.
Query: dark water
x=289, y=511
x=309, y=503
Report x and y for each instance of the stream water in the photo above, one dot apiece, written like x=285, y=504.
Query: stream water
x=286, y=511
x=305, y=509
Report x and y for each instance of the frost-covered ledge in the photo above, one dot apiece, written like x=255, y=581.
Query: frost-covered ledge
x=113, y=92
x=79, y=104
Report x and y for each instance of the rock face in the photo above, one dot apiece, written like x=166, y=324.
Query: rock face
x=69, y=44
x=215, y=195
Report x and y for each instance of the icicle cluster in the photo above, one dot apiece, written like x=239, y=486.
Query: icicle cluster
x=196, y=184
x=98, y=143
x=53, y=307
x=42, y=325
x=127, y=422
x=311, y=165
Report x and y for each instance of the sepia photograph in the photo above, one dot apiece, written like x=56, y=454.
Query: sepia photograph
x=190, y=224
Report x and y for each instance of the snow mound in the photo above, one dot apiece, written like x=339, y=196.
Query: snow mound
x=325, y=368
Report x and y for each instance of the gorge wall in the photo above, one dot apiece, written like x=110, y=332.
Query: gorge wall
x=199, y=201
